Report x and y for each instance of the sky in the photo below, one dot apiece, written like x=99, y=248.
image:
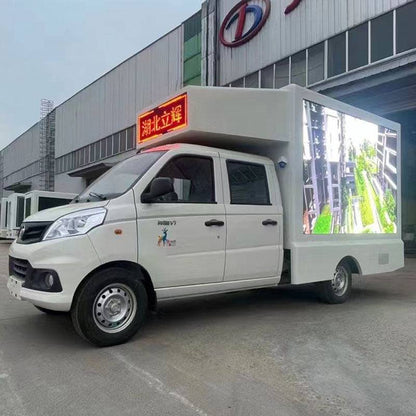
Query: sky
x=53, y=48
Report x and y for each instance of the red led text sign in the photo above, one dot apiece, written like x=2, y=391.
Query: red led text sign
x=167, y=117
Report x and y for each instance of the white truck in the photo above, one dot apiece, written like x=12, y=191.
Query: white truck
x=3, y=216
x=14, y=215
x=231, y=189
x=16, y=207
x=36, y=201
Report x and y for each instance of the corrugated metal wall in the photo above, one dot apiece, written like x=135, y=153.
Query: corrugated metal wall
x=22, y=152
x=283, y=35
x=112, y=102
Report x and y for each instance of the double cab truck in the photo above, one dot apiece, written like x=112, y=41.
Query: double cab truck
x=231, y=189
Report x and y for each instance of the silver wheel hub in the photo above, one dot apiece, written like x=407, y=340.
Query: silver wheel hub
x=340, y=281
x=114, y=308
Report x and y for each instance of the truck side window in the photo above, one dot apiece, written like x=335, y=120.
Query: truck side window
x=193, y=180
x=248, y=183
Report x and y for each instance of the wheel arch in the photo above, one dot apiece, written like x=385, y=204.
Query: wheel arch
x=352, y=263
x=130, y=266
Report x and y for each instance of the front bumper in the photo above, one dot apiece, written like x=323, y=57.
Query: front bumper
x=72, y=258
x=54, y=301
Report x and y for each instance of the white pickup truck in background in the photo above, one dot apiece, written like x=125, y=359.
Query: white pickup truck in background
x=311, y=195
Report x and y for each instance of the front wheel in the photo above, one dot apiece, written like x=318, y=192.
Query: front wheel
x=338, y=289
x=110, y=308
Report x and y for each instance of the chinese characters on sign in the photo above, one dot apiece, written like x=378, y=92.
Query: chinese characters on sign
x=163, y=119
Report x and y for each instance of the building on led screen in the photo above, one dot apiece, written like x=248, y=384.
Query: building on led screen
x=348, y=182
x=360, y=52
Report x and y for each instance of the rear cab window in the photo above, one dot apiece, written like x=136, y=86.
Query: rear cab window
x=248, y=183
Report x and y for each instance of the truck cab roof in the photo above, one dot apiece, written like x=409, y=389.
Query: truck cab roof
x=195, y=148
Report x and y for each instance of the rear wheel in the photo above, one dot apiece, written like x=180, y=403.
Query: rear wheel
x=110, y=308
x=338, y=289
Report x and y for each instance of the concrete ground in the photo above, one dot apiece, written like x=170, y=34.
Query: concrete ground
x=264, y=352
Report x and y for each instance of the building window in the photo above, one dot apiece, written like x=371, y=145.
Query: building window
x=131, y=143
x=239, y=83
x=358, y=46
x=192, y=50
x=58, y=165
x=103, y=152
x=97, y=150
x=252, y=80
x=406, y=27
x=80, y=157
x=86, y=155
x=92, y=153
x=69, y=166
x=116, y=143
x=109, y=143
x=316, y=59
x=298, y=73
x=123, y=136
x=336, y=55
x=382, y=37
x=281, y=77
x=192, y=69
x=267, y=75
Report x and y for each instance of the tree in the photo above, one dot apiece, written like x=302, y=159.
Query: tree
x=390, y=204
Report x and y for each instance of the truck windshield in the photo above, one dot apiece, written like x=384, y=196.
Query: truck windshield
x=120, y=178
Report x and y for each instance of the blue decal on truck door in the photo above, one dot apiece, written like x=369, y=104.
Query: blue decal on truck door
x=163, y=240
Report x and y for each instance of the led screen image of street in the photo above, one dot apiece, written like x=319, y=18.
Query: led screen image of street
x=349, y=173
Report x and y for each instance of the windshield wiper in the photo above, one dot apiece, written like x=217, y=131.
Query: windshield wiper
x=96, y=195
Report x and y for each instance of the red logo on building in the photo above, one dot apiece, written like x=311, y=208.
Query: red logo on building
x=238, y=32
x=239, y=14
x=167, y=117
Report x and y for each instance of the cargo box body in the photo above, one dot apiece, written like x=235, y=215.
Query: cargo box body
x=338, y=169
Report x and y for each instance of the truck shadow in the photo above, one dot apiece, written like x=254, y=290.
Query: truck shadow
x=286, y=302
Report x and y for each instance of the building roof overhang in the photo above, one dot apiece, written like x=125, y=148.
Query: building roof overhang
x=89, y=171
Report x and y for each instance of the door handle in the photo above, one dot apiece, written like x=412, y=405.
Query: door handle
x=210, y=223
x=269, y=222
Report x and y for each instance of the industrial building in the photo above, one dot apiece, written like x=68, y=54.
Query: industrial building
x=362, y=52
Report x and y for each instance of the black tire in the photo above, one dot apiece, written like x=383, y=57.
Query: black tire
x=333, y=291
x=110, y=291
x=49, y=311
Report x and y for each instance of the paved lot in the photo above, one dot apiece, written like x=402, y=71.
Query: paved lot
x=265, y=352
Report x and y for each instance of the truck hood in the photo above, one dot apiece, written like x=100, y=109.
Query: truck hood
x=53, y=214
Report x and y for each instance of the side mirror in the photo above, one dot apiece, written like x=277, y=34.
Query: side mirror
x=158, y=187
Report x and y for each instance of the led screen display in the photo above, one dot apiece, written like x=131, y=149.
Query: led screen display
x=349, y=174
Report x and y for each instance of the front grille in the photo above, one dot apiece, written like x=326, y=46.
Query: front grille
x=18, y=267
x=32, y=232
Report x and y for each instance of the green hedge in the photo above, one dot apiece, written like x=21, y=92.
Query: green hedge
x=323, y=222
x=365, y=206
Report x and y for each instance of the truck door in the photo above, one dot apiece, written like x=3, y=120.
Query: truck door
x=182, y=235
x=254, y=214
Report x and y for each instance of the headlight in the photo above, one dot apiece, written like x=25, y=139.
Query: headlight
x=76, y=223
